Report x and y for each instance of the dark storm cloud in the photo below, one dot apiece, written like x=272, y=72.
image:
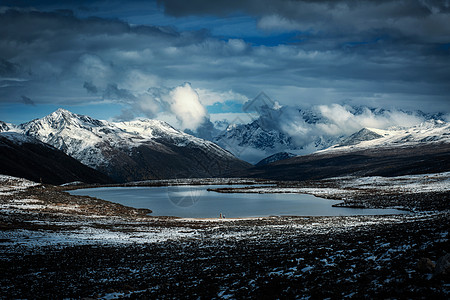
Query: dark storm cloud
x=57, y=53
x=27, y=101
x=90, y=87
x=113, y=92
x=386, y=52
x=352, y=49
x=7, y=68
x=428, y=20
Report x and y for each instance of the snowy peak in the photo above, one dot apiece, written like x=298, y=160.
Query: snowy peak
x=3, y=126
x=60, y=124
x=148, y=128
x=364, y=134
x=61, y=118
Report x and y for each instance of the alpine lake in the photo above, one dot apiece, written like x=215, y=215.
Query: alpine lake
x=195, y=201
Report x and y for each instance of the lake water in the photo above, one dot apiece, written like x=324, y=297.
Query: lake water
x=197, y=202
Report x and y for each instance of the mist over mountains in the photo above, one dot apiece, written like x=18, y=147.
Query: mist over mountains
x=306, y=130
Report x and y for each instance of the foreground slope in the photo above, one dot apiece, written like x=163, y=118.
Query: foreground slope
x=130, y=151
x=371, y=152
x=24, y=156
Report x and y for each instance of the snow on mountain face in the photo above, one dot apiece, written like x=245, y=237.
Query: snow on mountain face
x=20, y=139
x=4, y=126
x=133, y=150
x=153, y=130
x=305, y=131
x=78, y=136
x=83, y=137
x=360, y=136
x=429, y=132
x=253, y=142
x=255, y=136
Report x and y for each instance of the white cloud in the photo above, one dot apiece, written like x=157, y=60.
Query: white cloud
x=277, y=23
x=341, y=120
x=183, y=101
x=209, y=97
x=147, y=104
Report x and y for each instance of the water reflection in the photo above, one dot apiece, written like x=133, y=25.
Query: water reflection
x=197, y=202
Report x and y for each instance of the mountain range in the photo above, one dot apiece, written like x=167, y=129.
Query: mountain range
x=130, y=151
x=303, y=131
x=64, y=147
x=420, y=149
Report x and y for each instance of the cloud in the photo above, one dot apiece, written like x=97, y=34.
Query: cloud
x=421, y=19
x=341, y=120
x=382, y=53
x=183, y=101
x=277, y=23
x=91, y=88
x=112, y=91
x=28, y=101
x=309, y=124
x=8, y=68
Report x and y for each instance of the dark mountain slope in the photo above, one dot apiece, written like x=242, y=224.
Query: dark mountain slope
x=26, y=157
x=396, y=161
x=276, y=157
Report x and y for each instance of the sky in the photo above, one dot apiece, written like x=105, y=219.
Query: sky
x=192, y=62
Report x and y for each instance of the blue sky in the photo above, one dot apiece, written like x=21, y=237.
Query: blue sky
x=168, y=59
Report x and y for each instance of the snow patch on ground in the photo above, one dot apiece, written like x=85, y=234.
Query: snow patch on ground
x=10, y=184
x=436, y=182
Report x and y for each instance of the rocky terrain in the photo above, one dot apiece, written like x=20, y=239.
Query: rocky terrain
x=54, y=245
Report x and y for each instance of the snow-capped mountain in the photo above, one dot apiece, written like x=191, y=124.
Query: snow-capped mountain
x=305, y=131
x=252, y=141
x=364, y=134
x=428, y=132
x=265, y=136
x=136, y=150
x=419, y=149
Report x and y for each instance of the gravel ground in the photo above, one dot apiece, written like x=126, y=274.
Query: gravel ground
x=54, y=245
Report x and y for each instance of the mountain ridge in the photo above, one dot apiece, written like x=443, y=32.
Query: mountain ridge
x=420, y=149
x=130, y=151
x=303, y=131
